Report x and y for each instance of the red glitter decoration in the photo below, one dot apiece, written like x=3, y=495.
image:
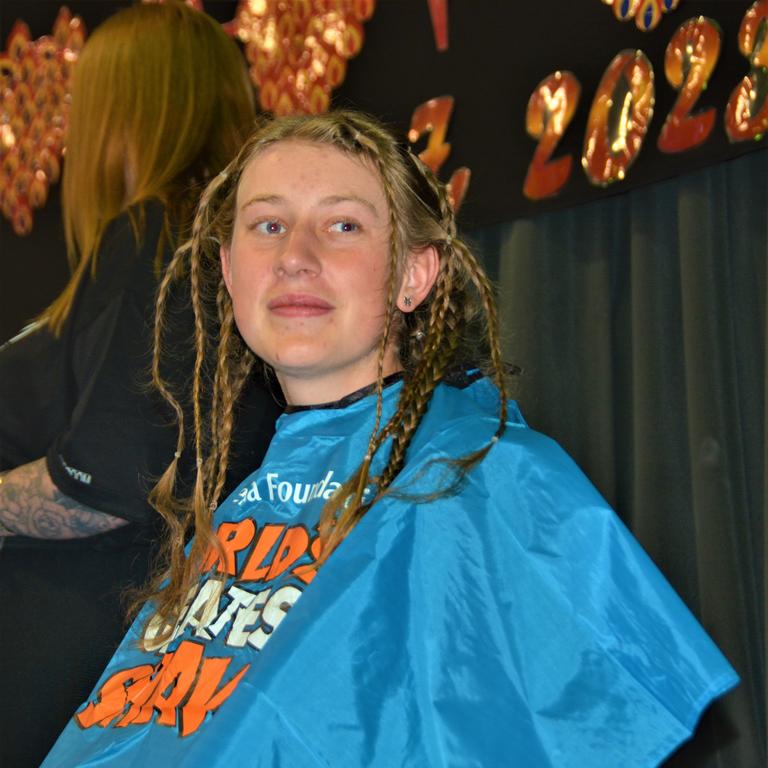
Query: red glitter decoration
x=34, y=103
x=438, y=11
x=298, y=49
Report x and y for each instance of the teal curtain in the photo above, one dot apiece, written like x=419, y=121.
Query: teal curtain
x=639, y=323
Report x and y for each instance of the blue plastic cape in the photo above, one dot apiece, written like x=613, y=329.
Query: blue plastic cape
x=516, y=622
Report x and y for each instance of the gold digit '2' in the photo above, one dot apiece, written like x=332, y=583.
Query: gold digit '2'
x=550, y=110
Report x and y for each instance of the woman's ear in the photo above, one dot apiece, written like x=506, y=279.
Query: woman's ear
x=419, y=275
x=226, y=267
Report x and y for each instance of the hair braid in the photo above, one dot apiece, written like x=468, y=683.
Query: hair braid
x=162, y=496
x=460, y=253
x=226, y=387
x=169, y=477
x=418, y=391
x=414, y=384
x=485, y=291
x=181, y=515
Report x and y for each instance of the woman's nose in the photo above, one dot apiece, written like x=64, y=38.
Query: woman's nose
x=300, y=253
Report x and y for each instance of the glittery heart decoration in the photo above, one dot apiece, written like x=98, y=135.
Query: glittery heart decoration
x=298, y=49
x=34, y=102
x=646, y=13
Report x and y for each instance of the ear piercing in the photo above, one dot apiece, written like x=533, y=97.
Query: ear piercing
x=407, y=301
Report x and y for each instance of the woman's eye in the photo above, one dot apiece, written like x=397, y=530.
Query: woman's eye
x=270, y=227
x=344, y=226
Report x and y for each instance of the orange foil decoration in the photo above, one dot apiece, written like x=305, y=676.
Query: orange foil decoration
x=34, y=102
x=646, y=13
x=689, y=62
x=298, y=49
x=746, y=115
x=619, y=118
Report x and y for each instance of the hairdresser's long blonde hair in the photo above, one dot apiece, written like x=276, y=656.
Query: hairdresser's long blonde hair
x=456, y=320
x=160, y=102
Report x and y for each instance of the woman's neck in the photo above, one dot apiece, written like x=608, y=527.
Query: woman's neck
x=331, y=387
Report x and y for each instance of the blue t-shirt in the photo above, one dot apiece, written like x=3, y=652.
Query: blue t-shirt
x=513, y=622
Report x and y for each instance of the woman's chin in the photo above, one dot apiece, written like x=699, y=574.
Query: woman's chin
x=297, y=360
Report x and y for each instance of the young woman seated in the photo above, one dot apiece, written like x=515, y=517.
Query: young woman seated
x=413, y=577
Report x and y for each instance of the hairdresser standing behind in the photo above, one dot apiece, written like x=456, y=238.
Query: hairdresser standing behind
x=160, y=104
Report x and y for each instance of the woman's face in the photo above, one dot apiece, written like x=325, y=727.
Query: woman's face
x=307, y=269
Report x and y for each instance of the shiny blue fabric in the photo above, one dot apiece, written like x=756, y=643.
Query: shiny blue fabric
x=515, y=622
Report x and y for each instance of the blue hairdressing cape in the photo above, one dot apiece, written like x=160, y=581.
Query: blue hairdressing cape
x=515, y=622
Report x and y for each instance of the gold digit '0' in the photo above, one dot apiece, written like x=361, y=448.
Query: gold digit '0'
x=619, y=118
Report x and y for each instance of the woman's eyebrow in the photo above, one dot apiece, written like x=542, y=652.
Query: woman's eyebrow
x=334, y=199
x=326, y=201
x=262, y=199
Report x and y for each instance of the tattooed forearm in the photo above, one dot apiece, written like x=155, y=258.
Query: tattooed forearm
x=31, y=505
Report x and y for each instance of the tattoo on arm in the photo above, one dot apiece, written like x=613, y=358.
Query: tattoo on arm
x=31, y=505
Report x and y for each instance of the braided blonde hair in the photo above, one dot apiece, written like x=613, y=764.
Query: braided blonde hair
x=443, y=331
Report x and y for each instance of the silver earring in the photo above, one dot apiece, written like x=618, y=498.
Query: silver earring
x=407, y=301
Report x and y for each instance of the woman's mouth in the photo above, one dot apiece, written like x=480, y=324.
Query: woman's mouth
x=299, y=305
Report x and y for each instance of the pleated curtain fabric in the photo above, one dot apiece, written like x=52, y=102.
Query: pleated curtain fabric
x=639, y=323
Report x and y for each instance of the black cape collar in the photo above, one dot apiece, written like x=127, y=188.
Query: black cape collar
x=458, y=377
